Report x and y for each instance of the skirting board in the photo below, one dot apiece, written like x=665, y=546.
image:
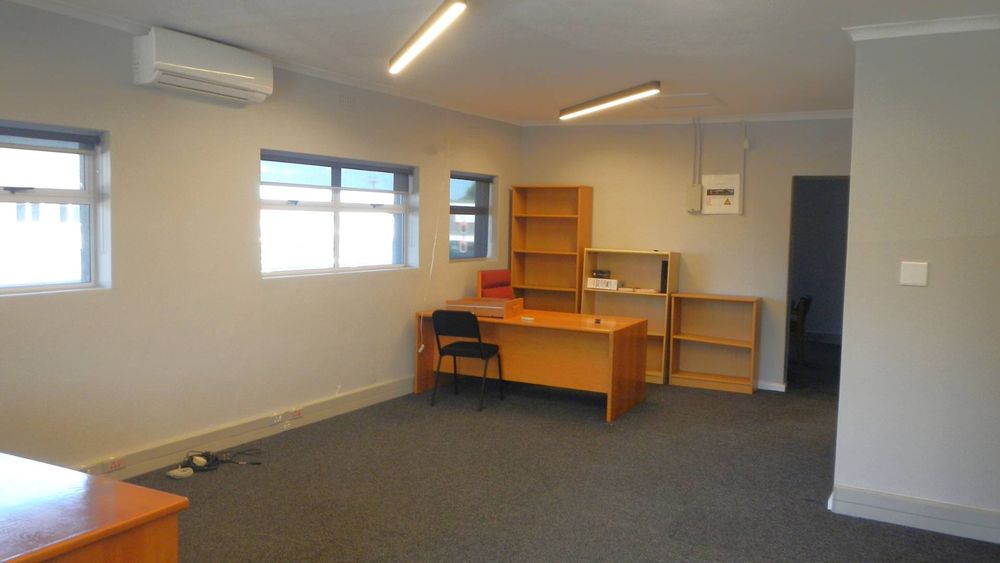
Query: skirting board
x=770, y=386
x=954, y=519
x=156, y=457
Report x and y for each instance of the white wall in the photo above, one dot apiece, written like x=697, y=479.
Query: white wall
x=640, y=174
x=920, y=385
x=190, y=337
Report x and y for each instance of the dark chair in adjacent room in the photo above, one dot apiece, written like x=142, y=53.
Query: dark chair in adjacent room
x=465, y=325
x=494, y=283
x=797, y=326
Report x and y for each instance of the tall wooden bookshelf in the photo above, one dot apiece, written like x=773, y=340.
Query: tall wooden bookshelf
x=713, y=341
x=550, y=226
x=649, y=277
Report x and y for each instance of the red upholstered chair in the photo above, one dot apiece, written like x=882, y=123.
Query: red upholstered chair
x=494, y=283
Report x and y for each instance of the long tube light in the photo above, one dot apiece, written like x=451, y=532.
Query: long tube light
x=434, y=26
x=639, y=92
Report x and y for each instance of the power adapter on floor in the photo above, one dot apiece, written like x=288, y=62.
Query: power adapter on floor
x=180, y=473
x=197, y=462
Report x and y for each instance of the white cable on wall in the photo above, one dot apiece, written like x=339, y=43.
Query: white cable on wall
x=434, y=245
x=743, y=164
x=692, y=194
x=430, y=277
x=696, y=161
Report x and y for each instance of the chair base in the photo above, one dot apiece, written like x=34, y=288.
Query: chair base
x=482, y=389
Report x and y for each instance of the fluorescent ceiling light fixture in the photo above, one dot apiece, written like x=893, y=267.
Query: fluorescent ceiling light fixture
x=639, y=92
x=434, y=26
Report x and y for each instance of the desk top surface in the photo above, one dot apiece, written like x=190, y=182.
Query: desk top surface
x=47, y=510
x=561, y=321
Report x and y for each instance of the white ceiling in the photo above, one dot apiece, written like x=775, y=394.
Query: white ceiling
x=522, y=60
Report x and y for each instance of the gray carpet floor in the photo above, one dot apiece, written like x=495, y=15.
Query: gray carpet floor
x=689, y=475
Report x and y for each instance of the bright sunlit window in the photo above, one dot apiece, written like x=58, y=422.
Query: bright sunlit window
x=470, y=216
x=49, y=202
x=330, y=214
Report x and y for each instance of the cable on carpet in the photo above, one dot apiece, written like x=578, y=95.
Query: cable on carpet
x=201, y=461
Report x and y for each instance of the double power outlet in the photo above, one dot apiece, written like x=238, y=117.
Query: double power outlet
x=109, y=465
x=285, y=419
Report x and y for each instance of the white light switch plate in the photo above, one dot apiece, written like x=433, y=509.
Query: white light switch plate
x=913, y=273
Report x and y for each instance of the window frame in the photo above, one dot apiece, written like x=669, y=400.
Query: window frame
x=403, y=190
x=93, y=194
x=484, y=207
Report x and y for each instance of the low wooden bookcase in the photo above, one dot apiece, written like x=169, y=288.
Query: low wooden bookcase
x=644, y=274
x=714, y=341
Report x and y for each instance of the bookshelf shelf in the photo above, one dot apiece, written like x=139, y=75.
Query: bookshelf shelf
x=734, y=342
x=544, y=216
x=548, y=252
x=545, y=288
x=634, y=293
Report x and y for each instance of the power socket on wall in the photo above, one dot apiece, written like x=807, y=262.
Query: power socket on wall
x=286, y=417
x=109, y=465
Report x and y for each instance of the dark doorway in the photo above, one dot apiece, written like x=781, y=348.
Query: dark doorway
x=817, y=260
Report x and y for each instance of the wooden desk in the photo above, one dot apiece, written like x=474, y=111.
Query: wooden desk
x=52, y=513
x=556, y=349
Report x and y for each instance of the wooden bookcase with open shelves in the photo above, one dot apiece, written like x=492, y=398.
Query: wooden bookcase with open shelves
x=643, y=272
x=550, y=227
x=714, y=341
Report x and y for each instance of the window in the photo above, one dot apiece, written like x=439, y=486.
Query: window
x=49, y=201
x=324, y=214
x=469, y=224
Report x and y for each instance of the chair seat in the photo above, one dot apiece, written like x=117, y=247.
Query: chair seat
x=465, y=349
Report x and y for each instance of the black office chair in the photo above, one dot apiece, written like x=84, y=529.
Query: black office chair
x=797, y=326
x=462, y=324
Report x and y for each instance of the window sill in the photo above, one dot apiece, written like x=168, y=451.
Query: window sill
x=475, y=259
x=337, y=272
x=52, y=290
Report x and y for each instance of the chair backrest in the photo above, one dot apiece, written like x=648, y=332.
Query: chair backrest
x=461, y=324
x=494, y=283
x=801, y=308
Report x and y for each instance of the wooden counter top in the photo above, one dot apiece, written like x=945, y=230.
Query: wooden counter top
x=48, y=511
x=562, y=321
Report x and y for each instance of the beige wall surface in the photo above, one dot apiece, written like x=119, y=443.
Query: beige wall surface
x=920, y=384
x=190, y=337
x=640, y=174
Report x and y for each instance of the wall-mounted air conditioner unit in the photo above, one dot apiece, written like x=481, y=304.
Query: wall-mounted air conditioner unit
x=176, y=60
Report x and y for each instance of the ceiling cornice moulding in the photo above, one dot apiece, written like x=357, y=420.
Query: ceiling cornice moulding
x=927, y=27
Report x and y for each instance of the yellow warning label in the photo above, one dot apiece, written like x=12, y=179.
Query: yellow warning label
x=728, y=202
